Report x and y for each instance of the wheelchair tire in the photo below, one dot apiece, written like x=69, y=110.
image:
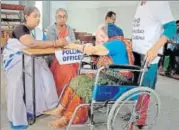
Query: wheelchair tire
x=130, y=96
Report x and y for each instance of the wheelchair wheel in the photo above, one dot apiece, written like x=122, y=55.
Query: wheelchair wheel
x=136, y=108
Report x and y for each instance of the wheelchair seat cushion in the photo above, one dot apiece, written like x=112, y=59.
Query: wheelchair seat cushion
x=112, y=77
x=83, y=84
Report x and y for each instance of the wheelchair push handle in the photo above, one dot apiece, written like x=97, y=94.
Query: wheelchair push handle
x=130, y=67
x=160, y=55
x=145, y=65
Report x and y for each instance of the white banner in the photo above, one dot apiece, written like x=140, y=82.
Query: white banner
x=68, y=56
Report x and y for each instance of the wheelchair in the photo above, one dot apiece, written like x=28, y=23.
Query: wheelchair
x=124, y=105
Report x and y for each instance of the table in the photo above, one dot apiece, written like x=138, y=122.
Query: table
x=33, y=53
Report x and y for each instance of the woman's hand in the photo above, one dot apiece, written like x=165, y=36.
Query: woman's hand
x=83, y=48
x=88, y=49
x=70, y=45
x=61, y=43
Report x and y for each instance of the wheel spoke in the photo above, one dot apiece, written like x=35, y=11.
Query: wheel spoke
x=147, y=104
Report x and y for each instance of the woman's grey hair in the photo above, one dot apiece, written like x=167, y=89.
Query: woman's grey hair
x=62, y=9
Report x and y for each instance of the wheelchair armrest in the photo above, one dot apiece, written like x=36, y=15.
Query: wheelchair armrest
x=87, y=63
x=90, y=55
x=116, y=66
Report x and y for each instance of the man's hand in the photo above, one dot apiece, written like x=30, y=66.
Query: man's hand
x=151, y=55
x=153, y=52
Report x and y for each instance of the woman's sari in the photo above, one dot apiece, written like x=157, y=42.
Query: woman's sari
x=63, y=73
x=46, y=96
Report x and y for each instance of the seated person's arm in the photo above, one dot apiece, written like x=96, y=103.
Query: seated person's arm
x=89, y=49
x=109, y=48
x=96, y=50
x=29, y=41
x=23, y=35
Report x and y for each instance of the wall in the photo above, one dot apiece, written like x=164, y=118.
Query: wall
x=54, y=5
x=90, y=19
x=124, y=18
x=84, y=20
x=46, y=14
x=88, y=15
x=10, y=2
x=28, y=3
x=175, y=9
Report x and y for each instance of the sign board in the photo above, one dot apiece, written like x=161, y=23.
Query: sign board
x=68, y=56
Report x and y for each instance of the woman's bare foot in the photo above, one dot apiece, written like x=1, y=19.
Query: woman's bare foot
x=60, y=123
x=57, y=112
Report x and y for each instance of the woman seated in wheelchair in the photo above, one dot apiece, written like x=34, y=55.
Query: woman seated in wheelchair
x=114, y=51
